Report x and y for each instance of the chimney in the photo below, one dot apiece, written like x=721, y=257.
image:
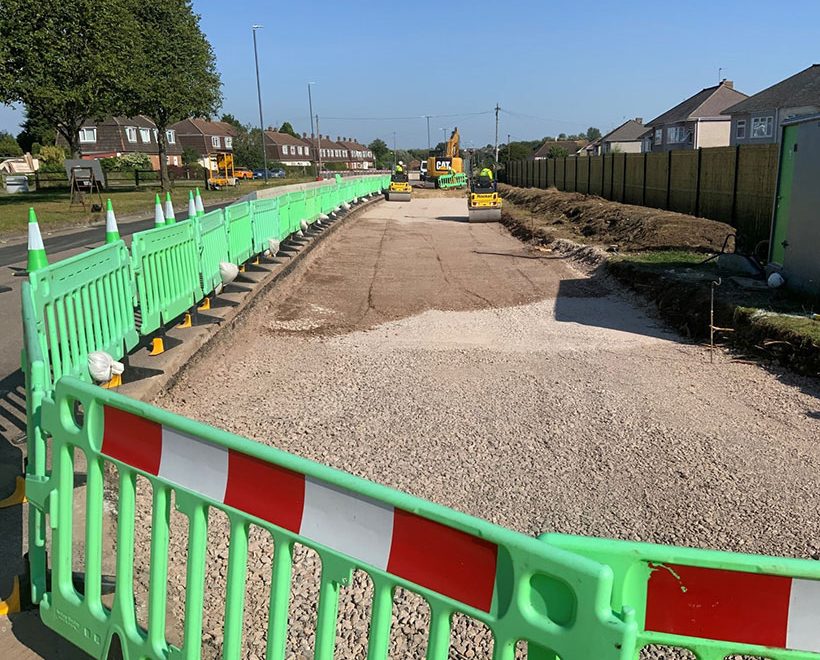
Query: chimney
x=311, y=136
x=304, y=135
x=728, y=83
x=338, y=138
x=639, y=120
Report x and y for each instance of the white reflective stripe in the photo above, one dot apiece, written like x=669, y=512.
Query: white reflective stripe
x=169, y=210
x=35, y=240
x=803, y=628
x=356, y=526
x=158, y=216
x=194, y=464
x=110, y=221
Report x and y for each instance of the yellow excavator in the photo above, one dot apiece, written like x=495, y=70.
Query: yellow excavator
x=449, y=163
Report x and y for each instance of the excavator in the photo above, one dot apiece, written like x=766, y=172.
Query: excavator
x=448, y=164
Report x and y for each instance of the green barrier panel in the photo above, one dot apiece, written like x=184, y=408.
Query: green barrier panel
x=327, y=206
x=458, y=180
x=212, y=238
x=83, y=304
x=166, y=268
x=35, y=373
x=296, y=201
x=239, y=218
x=265, y=223
x=284, y=216
x=716, y=604
x=311, y=205
x=517, y=586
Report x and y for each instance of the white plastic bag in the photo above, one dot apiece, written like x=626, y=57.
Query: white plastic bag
x=103, y=367
x=228, y=271
x=776, y=280
x=303, y=225
x=273, y=247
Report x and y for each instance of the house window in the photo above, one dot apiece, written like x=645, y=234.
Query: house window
x=676, y=134
x=285, y=149
x=88, y=134
x=658, y=136
x=307, y=151
x=228, y=142
x=762, y=127
x=171, y=138
x=740, y=129
x=145, y=135
x=131, y=133
x=215, y=141
x=299, y=150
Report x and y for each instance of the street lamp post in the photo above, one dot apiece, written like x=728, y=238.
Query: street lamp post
x=395, y=155
x=259, y=96
x=310, y=104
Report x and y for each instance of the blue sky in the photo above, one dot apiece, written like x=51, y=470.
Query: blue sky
x=552, y=66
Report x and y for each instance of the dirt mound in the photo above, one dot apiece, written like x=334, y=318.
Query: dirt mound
x=551, y=214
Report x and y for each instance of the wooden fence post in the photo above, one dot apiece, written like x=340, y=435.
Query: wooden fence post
x=623, y=184
x=733, y=214
x=697, y=182
x=643, y=194
x=589, y=171
x=668, y=181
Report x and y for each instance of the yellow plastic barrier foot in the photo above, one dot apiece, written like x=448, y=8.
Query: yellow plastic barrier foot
x=205, y=306
x=18, y=496
x=157, y=346
x=242, y=268
x=115, y=382
x=256, y=261
x=186, y=321
x=12, y=604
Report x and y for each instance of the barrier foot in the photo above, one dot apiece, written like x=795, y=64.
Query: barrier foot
x=157, y=346
x=242, y=268
x=186, y=321
x=115, y=382
x=205, y=306
x=255, y=261
x=12, y=604
x=18, y=496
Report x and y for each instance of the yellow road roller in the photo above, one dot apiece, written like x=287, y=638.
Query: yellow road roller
x=483, y=202
x=399, y=191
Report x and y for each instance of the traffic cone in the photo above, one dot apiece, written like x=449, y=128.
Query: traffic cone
x=191, y=205
x=36, y=250
x=169, y=210
x=159, y=218
x=112, y=232
x=200, y=208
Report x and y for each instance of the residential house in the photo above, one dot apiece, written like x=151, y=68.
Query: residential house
x=626, y=138
x=696, y=122
x=328, y=150
x=757, y=119
x=287, y=149
x=359, y=156
x=116, y=136
x=206, y=138
x=571, y=147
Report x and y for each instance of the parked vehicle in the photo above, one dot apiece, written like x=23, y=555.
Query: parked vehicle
x=272, y=174
x=242, y=173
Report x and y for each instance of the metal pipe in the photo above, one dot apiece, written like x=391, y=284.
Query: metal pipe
x=259, y=96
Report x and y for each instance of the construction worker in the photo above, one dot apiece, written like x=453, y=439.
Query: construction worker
x=400, y=167
x=398, y=173
x=485, y=179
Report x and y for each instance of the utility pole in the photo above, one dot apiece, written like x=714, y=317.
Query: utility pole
x=509, y=157
x=496, y=134
x=319, y=149
x=259, y=96
x=428, y=132
x=310, y=104
x=395, y=155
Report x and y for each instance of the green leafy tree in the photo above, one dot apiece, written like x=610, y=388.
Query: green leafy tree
x=190, y=156
x=593, y=134
x=36, y=132
x=247, y=148
x=382, y=154
x=176, y=66
x=562, y=136
x=51, y=159
x=557, y=152
x=287, y=128
x=64, y=60
x=233, y=121
x=8, y=145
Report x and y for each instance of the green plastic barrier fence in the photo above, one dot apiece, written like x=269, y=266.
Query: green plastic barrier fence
x=212, y=239
x=311, y=205
x=458, y=180
x=296, y=202
x=166, y=265
x=517, y=586
x=83, y=304
x=37, y=385
x=284, y=216
x=716, y=604
x=326, y=205
x=265, y=223
x=239, y=218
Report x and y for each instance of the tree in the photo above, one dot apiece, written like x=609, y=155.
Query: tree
x=562, y=136
x=287, y=128
x=557, y=152
x=247, y=147
x=379, y=149
x=593, y=134
x=8, y=145
x=190, y=156
x=36, y=132
x=233, y=121
x=64, y=60
x=177, y=68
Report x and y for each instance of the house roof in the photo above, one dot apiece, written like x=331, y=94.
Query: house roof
x=140, y=121
x=801, y=89
x=212, y=127
x=275, y=137
x=327, y=142
x=351, y=143
x=708, y=102
x=630, y=131
x=570, y=145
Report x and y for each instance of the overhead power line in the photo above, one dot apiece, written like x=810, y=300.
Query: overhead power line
x=442, y=116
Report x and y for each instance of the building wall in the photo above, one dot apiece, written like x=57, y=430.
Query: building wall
x=632, y=147
x=712, y=134
x=779, y=115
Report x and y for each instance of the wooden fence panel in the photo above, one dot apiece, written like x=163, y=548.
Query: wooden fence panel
x=684, y=181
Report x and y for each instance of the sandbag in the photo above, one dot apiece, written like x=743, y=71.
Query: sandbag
x=228, y=271
x=103, y=367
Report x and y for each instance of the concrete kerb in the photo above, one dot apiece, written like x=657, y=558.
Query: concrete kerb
x=175, y=361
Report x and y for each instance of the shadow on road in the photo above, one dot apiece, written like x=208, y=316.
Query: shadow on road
x=452, y=218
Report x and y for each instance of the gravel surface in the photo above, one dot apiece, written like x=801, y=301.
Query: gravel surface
x=451, y=361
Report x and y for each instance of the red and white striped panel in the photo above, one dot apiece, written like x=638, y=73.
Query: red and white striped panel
x=440, y=558
x=732, y=606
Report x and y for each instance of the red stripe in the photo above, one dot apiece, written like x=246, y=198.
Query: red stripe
x=730, y=606
x=443, y=559
x=131, y=439
x=266, y=491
